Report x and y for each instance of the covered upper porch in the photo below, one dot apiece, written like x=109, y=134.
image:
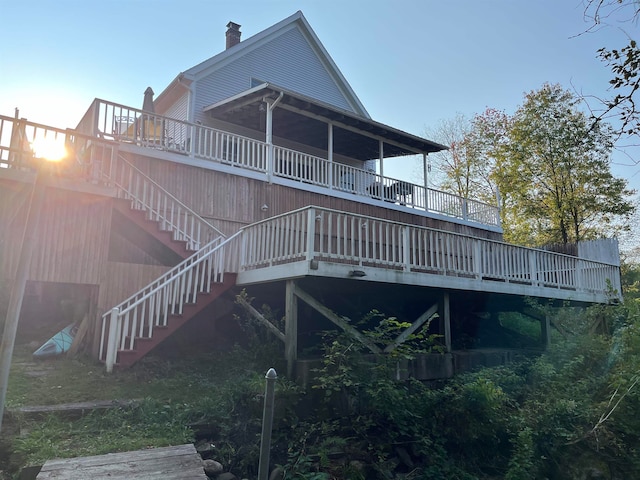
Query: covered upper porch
x=285, y=138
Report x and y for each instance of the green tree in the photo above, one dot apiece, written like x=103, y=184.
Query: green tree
x=624, y=64
x=460, y=171
x=554, y=169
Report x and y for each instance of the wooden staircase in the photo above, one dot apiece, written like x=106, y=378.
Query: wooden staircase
x=138, y=229
x=145, y=343
x=172, y=232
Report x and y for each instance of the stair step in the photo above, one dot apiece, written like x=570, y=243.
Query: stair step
x=143, y=345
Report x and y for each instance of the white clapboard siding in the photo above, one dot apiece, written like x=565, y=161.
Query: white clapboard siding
x=301, y=70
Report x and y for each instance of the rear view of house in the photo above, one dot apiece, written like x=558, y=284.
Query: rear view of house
x=260, y=170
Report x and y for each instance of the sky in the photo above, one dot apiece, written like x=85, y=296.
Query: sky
x=412, y=63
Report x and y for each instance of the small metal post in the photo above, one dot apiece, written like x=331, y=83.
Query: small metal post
x=267, y=423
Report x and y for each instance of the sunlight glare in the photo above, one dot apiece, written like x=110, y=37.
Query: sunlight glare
x=52, y=149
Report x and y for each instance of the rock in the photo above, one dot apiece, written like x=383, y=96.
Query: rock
x=205, y=448
x=594, y=474
x=211, y=467
x=277, y=474
x=357, y=466
x=226, y=476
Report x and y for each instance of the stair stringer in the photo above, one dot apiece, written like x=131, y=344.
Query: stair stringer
x=152, y=228
x=144, y=345
x=173, y=294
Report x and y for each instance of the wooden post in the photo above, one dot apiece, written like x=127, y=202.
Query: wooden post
x=29, y=238
x=446, y=320
x=291, y=328
x=406, y=249
x=112, y=340
x=330, y=154
x=311, y=233
x=477, y=258
x=381, y=158
x=425, y=168
x=269, y=141
x=545, y=331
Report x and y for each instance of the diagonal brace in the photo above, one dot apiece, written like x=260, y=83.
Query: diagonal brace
x=341, y=322
x=425, y=317
x=258, y=316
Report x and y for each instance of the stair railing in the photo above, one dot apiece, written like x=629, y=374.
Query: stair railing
x=161, y=206
x=149, y=308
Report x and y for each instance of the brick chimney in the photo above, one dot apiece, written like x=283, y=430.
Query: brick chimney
x=233, y=34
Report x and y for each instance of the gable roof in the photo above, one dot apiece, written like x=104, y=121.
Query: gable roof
x=297, y=20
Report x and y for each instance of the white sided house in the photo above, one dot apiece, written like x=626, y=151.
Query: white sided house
x=259, y=170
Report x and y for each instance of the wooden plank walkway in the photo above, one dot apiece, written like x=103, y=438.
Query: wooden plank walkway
x=181, y=462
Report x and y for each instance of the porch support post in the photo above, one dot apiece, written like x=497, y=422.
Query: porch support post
x=446, y=322
x=381, y=157
x=271, y=105
x=291, y=328
x=425, y=170
x=269, y=140
x=330, y=154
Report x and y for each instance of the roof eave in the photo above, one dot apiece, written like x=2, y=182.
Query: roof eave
x=331, y=113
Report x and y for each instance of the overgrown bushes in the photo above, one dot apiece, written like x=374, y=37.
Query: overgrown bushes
x=570, y=413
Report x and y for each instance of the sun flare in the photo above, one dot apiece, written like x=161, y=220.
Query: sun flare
x=52, y=149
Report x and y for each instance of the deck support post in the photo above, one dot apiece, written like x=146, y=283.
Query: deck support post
x=446, y=322
x=545, y=331
x=291, y=327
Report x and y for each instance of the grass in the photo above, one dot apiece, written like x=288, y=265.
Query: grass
x=216, y=389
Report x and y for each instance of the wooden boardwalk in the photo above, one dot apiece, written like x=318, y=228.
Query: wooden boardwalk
x=169, y=463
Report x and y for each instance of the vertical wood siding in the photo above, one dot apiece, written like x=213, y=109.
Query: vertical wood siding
x=72, y=236
x=232, y=201
x=121, y=280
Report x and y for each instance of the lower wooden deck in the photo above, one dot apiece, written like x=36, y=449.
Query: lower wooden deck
x=181, y=462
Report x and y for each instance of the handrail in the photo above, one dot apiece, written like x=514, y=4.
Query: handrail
x=162, y=206
x=137, y=316
x=335, y=236
x=136, y=126
x=98, y=161
x=19, y=140
x=327, y=235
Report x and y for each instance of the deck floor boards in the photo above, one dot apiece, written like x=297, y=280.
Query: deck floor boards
x=180, y=462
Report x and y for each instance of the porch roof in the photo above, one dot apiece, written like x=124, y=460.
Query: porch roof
x=304, y=120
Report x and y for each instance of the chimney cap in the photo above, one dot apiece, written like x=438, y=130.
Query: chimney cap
x=233, y=34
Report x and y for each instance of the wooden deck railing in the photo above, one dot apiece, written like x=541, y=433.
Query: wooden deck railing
x=135, y=126
x=97, y=161
x=324, y=235
x=339, y=237
x=85, y=157
x=162, y=207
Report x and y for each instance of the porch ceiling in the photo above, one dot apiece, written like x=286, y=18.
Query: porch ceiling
x=304, y=120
